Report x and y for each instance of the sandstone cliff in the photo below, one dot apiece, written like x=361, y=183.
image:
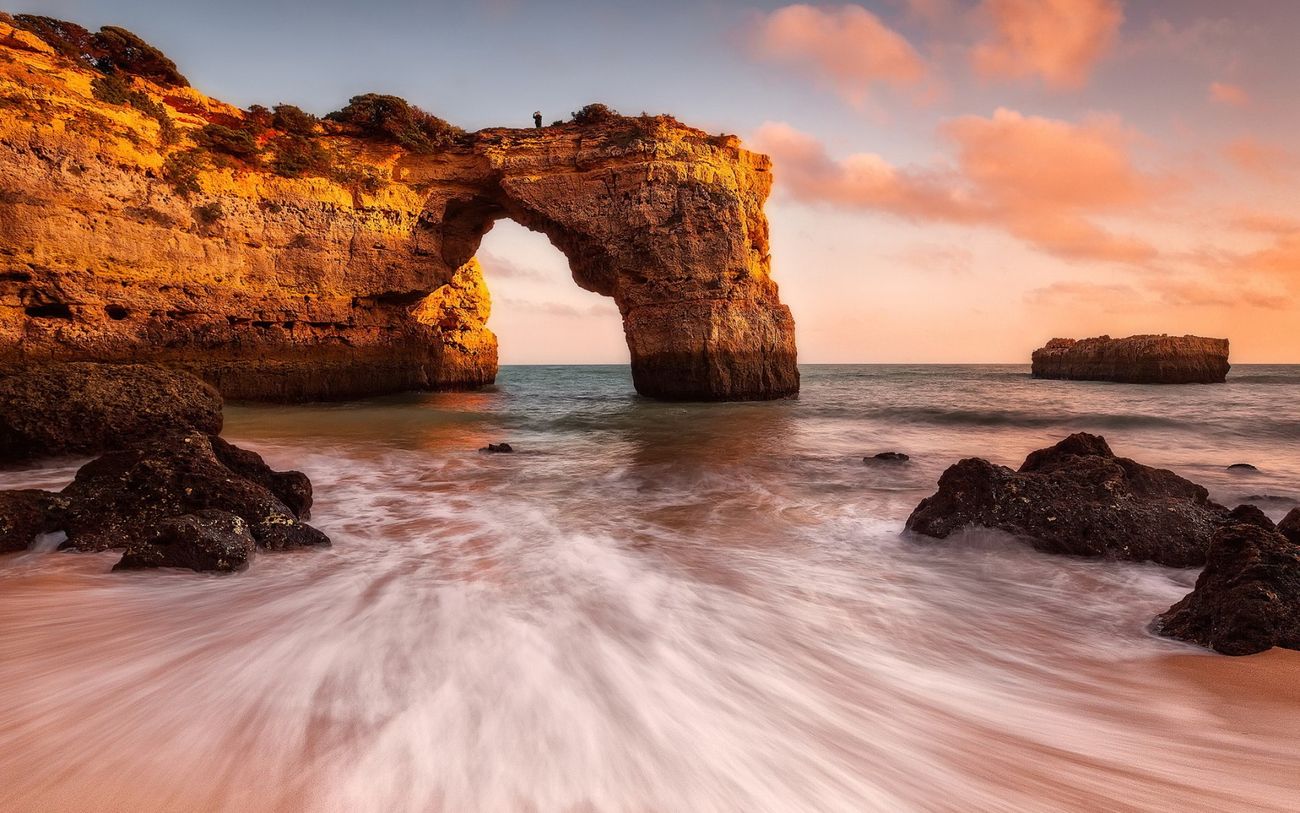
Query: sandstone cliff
x=1135, y=360
x=281, y=257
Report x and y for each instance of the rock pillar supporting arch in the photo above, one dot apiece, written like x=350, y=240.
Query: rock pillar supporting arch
x=666, y=220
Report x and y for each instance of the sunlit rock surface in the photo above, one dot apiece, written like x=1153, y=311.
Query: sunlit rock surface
x=1135, y=360
x=361, y=280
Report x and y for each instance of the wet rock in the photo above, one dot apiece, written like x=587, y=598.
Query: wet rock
x=1242, y=467
x=1077, y=498
x=893, y=457
x=1250, y=515
x=1246, y=600
x=26, y=514
x=1135, y=360
x=207, y=540
x=121, y=498
x=85, y=408
x=498, y=448
x=1290, y=526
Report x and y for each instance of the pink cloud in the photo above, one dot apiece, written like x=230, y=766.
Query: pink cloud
x=1041, y=180
x=847, y=46
x=1232, y=95
x=1059, y=41
x=1265, y=160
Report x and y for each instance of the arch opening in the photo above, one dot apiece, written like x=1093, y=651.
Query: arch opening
x=538, y=314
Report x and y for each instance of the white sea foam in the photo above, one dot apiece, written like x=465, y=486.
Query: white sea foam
x=656, y=611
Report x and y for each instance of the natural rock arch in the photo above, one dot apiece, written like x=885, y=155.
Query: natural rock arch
x=363, y=281
x=669, y=225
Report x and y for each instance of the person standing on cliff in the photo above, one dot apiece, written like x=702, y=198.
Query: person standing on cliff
x=537, y=119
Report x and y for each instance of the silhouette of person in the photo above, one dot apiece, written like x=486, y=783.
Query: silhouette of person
x=537, y=119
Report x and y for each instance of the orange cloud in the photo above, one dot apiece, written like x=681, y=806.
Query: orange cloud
x=1058, y=41
x=1224, y=93
x=847, y=46
x=1258, y=158
x=1039, y=179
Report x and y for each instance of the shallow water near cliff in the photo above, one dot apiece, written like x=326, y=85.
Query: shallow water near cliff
x=660, y=607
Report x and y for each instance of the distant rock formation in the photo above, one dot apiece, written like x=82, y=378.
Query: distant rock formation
x=1077, y=498
x=1135, y=360
x=86, y=408
x=282, y=257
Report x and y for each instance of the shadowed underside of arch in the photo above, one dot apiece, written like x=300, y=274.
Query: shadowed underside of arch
x=280, y=288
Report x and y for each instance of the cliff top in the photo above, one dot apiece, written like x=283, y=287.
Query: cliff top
x=1138, y=341
x=62, y=76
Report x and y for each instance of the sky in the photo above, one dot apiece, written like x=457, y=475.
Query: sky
x=956, y=180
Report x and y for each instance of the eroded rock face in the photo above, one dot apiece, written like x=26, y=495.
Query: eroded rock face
x=1135, y=360
x=362, y=280
x=181, y=499
x=207, y=540
x=26, y=514
x=84, y=408
x=1247, y=599
x=1290, y=525
x=120, y=499
x=1077, y=498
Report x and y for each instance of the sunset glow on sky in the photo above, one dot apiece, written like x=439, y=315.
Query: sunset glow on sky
x=957, y=180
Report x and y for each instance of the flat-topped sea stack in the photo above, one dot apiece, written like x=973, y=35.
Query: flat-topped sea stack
x=283, y=257
x=1135, y=360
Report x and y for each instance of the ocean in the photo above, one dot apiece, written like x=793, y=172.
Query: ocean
x=661, y=607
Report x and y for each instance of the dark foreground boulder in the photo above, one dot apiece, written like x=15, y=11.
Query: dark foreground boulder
x=24, y=515
x=86, y=408
x=205, y=540
x=1077, y=498
x=1246, y=600
x=183, y=499
x=1290, y=526
x=122, y=497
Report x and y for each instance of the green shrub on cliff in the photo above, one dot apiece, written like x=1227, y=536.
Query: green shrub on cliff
x=116, y=89
x=596, y=113
x=126, y=52
x=110, y=50
x=223, y=140
x=394, y=119
x=294, y=156
x=181, y=171
x=293, y=120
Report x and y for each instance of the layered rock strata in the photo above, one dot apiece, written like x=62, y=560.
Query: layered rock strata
x=1135, y=360
x=1077, y=498
x=139, y=221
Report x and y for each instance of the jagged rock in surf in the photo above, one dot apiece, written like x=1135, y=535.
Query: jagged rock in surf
x=207, y=540
x=1290, y=525
x=1135, y=360
x=888, y=457
x=25, y=515
x=1077, y=498
x=121, y=498
x=1246, y=600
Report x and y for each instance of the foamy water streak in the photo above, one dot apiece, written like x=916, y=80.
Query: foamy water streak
x=654, y=607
